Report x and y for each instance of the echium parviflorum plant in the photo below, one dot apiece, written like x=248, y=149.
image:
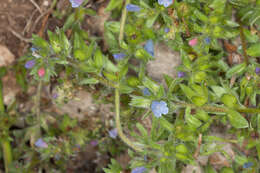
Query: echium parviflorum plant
x=212, y=89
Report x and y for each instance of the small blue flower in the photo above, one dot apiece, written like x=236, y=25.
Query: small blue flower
x=113, y=133
x=165, y=3
x=55, y=96
x=29, y=64
x=138, y=170
x=132, y=8
x=257, y=70
x=149, y=47
x=33, y=49
x=181, y=74
x=159, y=108
x=146, y=92
x=76, y=3
x=166, y=30
x=41, y=144
x=207, y=40
x=119, y=56
x=248, y=165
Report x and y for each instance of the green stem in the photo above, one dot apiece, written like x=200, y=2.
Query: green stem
x=122, y=22
x=209, y=108
x=6, y=146
x=242, y=37
x=117, y=94
x=7, y=151
x=118, y=124
x=38, y=100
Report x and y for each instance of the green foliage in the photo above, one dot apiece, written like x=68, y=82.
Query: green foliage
x=213, y=92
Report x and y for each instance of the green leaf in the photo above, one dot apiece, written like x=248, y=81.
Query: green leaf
x=113, y=4
x=202, y=115
x=79, y=54
x=199, y=100
x=219, y=91
x=141, y=102
x=200, y=16
x=236, y=70
x=142, y=129
x=254, y=50
x=166, y=124
x=151, y=85
x=98, y=58
x=187, y=91
x=89, y=81
x=251, y=38
x=237, y=120
x=229, y=100
x=113, y=26
x=192, y=121
x=69, y=22
x=151, y=20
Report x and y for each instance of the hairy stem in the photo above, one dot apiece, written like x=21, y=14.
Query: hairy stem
x=122, y=23
x=242, y=37
x=209, y=108
x=6, y=146
x=118, y=124
x=117, y=94
x=38, y=99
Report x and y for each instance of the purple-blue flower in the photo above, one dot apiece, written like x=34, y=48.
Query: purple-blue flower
x=165, y=3
x=166, y=30
x=181, y=74
x=257, y=70
x=94, y=143
x=41, y=144
x=113, y=133
x=248, y=165
x=159, y=108
x=207, y=40
x=76, y=3
x=138, y=170
x=29, y=64
x=119, y=56
x=33, y=49
x=55, y=95
x=132, y=8
x=149, y=47
x=146, y=92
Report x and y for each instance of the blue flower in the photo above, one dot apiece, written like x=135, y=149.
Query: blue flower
x=166, y=30
x=159, y=108
x=257, y=70
x=149, y=47
x=119, y=56
x=138, y=170
x=132, y=8
x=29, y=64
x=33, y=49
x=113, y=133
x=146, y=92
x=76, y=3
x=41, y=144
x=181, y=74
x=165, y=3
x=248, y=165
x=207, y=40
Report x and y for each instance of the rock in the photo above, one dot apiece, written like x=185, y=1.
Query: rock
x=165, y=62
x=10, y=88
x=80, y=106
x=6, y=57
x=192, y=169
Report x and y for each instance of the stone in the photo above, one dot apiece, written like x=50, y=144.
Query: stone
x=6, y=56
x=165, y=62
